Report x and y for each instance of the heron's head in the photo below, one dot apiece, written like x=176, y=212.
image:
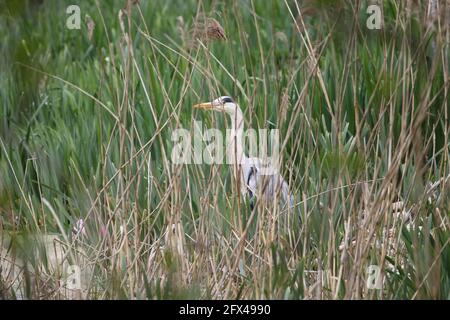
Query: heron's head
x=224, y=104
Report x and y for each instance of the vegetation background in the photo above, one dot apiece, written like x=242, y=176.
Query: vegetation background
x=86, y=118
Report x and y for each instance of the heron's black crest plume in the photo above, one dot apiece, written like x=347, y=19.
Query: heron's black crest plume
x=226, y=99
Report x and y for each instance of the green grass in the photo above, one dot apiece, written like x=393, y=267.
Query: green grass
x=85, y=132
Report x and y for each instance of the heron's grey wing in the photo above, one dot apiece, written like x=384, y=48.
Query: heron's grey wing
x=275, y=186
x=251, y=183
x=288, y=198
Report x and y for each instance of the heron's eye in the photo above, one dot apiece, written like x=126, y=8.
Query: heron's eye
x=227, y=99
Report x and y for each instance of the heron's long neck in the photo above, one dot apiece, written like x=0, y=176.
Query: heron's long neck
x=235, y=150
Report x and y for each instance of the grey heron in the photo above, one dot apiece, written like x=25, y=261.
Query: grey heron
x=253, y=181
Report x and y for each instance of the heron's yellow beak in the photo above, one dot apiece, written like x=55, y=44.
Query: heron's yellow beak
x=205, y=105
